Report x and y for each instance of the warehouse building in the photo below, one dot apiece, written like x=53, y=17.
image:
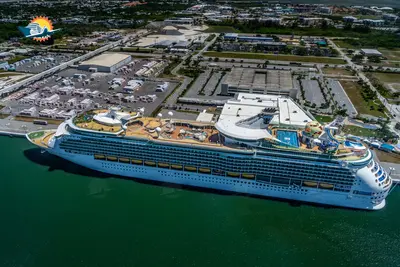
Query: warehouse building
x=247, y=39
x=107, y=62
x=231, y=36
x=255, y=39
x=371, y=52
x=258, y=81
x=179, y=21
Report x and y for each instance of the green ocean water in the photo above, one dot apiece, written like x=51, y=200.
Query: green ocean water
x=54, y=213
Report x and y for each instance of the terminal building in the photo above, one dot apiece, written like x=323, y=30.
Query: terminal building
x=258, y=81
x=107, y=62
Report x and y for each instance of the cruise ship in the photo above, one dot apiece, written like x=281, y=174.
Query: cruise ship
x=260, y=145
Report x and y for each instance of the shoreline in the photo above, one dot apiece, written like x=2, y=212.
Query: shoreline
x=12, y=134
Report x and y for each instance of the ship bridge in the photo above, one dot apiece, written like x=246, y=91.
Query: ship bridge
x=248, y=116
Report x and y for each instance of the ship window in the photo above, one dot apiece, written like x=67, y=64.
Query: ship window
x=279, y=181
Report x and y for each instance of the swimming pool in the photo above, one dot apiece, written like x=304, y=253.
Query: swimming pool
x=288, y=137
x=354, y=145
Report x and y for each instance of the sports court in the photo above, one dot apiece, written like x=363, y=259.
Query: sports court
x=288, y=137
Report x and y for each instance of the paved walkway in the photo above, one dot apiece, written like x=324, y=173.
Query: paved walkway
x=10, y=125
x=174, y=97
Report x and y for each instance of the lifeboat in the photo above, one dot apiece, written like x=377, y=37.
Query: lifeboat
x=248, y=176
x=149, y=163
x=310, y=184
x=99, y=157
x=112, y=158
x=137, y=161
x=190, y=168
x=176, y=167
x=326, y=186
x=204, y=170
x=124, y=160
x=233, y=174
x=163, y=165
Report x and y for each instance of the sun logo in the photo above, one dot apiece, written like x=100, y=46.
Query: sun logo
x=44, y=23
x=39, y=29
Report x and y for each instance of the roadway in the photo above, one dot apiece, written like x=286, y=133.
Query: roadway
x=205, y=48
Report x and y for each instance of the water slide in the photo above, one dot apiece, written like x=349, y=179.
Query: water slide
x=330, y=135
x=329, y=130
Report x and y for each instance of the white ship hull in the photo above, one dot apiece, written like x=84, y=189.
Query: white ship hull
x=314, y=195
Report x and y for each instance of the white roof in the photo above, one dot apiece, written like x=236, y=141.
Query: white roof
x=169, y=28
x=205, y=117
x=86, y=101
x=371, y=51
x=106, y=59
x=49, y=111
x=112, y=117
x=233, y=121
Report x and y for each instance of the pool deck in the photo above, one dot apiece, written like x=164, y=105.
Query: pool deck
x=288, y=137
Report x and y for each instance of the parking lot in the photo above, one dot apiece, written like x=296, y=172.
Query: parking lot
x=38, y=64
x=77, y=90
x=207, y=86
x=312, y=92
x=212, y=84
x=199, y=84
x=341, y=97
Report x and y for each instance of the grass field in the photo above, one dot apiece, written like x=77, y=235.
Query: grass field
x=353, y=90
x=343, y=44
x=137, y=49
x=323, y=118
x=391, y=54
x=325, y=60
x=387, y=77
x=336, y=71
x=384, y=64
x=6, y=74
x=16, y=58
x=221, y=29
x=387, y=157
x=359, y=131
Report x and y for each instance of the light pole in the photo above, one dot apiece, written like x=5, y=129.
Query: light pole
x=391, y=169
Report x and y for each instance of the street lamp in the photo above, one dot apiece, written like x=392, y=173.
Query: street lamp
x=391, y=169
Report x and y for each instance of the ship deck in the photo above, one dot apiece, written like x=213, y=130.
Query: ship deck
x=174, y=131
x=86, y=121
x=197, y=133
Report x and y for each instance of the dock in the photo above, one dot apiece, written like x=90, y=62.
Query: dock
x=12, y=134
